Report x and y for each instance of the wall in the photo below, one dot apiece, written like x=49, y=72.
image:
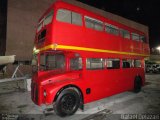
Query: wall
x=21, y=26
x=22, y=20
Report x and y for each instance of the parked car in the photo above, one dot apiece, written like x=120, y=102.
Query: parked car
x=152, y=68
x=158, y=67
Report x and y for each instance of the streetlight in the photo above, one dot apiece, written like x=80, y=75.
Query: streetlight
x=158, y=48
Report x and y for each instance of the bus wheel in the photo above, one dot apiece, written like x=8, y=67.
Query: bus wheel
x=137, y=84
x=67, y=102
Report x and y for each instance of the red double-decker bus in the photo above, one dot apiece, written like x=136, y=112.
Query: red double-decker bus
x=83, y=56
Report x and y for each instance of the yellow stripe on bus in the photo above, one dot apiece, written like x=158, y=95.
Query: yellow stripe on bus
x=88, y=49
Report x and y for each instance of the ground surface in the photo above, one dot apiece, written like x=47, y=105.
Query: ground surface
x=14, y=100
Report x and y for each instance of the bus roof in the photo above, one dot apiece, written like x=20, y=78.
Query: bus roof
x=109, y=15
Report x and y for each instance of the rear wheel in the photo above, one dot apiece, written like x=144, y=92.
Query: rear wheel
x=67, y=102
x=137, y=84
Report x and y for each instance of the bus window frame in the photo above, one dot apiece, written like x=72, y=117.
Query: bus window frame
x=42, y=24
x=69, y=63
x=94, y=21
x=71, y=11
x=110, y=58
x=92, y=69
x=113, y=27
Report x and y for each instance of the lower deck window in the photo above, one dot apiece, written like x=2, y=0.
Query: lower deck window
x=137, y=63
x=52, y=61
x=113, y=63
x=76, y=63
x=130, y=63
x=95, y=63
x=126, y=63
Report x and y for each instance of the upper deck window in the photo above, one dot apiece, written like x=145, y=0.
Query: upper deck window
x=111, y=29
x=93, y=23
x=48, y=18
x=40, y=25
x=125, y=33
x=135, y=36
x=41, y=36
x=76, y=18
x=68, y=16
x=143, y=38
x=45, y=21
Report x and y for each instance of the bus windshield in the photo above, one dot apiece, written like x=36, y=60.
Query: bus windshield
x=45, y=21
x=52, y=62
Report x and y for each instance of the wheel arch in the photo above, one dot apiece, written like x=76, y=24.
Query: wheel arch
x=138, y=82
x=139, y=77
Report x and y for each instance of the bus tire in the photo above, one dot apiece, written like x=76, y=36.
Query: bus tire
x=137, y=85
x=67, y=102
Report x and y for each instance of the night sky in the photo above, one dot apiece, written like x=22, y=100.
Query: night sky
x=146, y=12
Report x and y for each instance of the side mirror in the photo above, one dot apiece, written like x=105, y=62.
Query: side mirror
x=34, y=65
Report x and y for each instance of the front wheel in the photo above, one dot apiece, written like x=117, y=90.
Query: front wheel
x=137, y=84
x=67, y=102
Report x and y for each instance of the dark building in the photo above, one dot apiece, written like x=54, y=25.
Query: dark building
x=3, y=26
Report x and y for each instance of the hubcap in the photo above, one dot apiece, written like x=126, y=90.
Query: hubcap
x=68, y=103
